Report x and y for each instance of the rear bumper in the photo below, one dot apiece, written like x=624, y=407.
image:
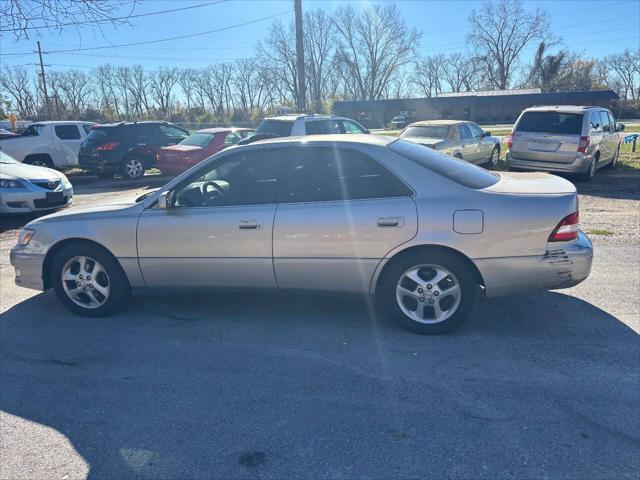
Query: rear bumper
x=28, y=269
x=564, y=265
x=579, y=165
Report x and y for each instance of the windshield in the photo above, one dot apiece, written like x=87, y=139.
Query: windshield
x=459, y=171
x=282, y=128
x=4, y=158
x=431, y=131
x=198, y=139
x=550, y=122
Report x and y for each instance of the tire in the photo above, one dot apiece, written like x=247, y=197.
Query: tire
x=495, y=156
x=40, y=161
x=111, y=279
x=613, y=163
x=132, y=168
x=591, y=171
x=399, y=295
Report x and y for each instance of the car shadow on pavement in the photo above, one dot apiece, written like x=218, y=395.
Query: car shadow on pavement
x=301, y=386
x=619, y=184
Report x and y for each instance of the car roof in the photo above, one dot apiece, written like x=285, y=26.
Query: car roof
x=362, y=138
x=144, y=122
x=562, y=108
x=223, y=130
x=294, y=116
x=425, y=123
x=64, y=122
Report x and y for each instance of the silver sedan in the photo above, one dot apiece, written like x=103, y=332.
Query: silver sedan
x=28, y=188
x=351, y=213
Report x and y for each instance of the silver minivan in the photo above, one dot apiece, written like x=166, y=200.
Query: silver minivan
x=570, y=139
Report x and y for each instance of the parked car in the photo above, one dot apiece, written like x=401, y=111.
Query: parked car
x=6, y=133
x=28, y=188
x=128, y=148
x=569, y=139
x=363, y=214
x=460, y=139
x=48, y=144
x=196, y=147
x=293, y=125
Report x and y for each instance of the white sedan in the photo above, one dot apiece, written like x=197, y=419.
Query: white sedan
x=28, y=188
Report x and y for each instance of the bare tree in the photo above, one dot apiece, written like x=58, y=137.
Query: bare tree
x=319, y=55
x=138, y=87
x=626, y=69
x=278, y=61
x=499, y=32
x=460, y=71
x=162, y=82
x=373, y=46
x=105, y=80
x=16, y=81
x=428, y=74
x=22, y=18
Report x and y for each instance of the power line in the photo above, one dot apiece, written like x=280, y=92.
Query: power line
x=103, y=20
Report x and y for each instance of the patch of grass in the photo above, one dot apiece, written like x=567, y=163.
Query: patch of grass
x=629, y=160
x=600, y=231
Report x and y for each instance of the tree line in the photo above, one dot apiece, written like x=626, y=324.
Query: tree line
x=363, y=54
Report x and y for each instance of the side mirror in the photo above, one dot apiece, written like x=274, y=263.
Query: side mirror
x=487, y=134
x=619, y=127
x=165, y=200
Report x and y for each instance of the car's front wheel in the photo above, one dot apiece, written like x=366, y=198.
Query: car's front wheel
x=430, y=292
x=495, y=156
x=88, y=280
x=132, y=168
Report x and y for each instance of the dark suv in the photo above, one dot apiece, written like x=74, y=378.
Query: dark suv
x=128, y=148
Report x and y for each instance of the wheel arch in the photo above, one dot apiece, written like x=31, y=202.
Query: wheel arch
x=47, y=264
x=31, y=155
x=378, y=278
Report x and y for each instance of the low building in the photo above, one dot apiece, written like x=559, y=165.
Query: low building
x=496, y=106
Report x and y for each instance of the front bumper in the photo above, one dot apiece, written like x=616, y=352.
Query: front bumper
x=28, y=268
x=564, y=265
x=579, y=165
x=33, y=200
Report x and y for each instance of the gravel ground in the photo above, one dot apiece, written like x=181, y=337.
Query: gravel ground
x=224, y=386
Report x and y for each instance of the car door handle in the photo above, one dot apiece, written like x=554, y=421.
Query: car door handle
x=390, y=221
x=248, y=225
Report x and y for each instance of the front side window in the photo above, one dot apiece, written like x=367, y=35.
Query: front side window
x=318, y=174
x=248, y=178
x=476, y=131
x=595, y=124
x=67, y=132
x=351, y=127
x=232, y=138
x=33, y=130
x=612, y=122
x=172, y=132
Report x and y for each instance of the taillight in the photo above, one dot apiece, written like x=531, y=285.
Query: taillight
x=108, y=146
x=510, y=141
x=567, y=229
x=584, y=144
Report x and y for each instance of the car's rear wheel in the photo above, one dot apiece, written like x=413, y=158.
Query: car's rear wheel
x=39, y=161
x=613, y=163
x=430, y=292
x=132, y=168
x=591, y=171
x=88, y=280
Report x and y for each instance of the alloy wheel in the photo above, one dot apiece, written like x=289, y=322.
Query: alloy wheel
x=86, y=282
x=39, y=163
x=133, y=168
x=428, y=293
x=495, y=156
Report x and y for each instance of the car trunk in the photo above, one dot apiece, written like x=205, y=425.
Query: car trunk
x=547, y=137
x=534, y=183
x=180, y=157
x=431, y=142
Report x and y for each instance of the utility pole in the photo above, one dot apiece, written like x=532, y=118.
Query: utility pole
x=44, y=82
x=302, y=94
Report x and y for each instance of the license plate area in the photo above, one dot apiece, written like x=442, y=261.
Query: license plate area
x=542, y=146
x=54, y=198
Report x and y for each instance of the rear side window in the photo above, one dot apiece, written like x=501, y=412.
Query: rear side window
x=281, y=128
x=352, y=127
x=464, y=131
x=98, y=136
x=317, y=174
x=322, y=127
x=550, y=122
x=454, y=169
x=67, y=132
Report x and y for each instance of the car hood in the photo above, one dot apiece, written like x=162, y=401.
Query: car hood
x=124, y=207
x=424, y=140
x=21, y=171
x=180, y=148
x=535, y=183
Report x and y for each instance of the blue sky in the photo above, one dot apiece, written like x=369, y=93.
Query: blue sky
x=595, y=28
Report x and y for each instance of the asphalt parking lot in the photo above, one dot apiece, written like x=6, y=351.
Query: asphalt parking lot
x=545, y=385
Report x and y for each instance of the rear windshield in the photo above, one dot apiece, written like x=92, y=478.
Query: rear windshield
x=459, y=171
x=550, y=122
x=282, y=128
x=98, y=136
x=431, y=131
x=198, y=139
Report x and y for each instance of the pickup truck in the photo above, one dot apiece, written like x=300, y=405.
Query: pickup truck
x=48, y=144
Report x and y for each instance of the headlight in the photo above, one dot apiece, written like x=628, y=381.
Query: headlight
x=24, y=237
x=11, y=184
x=65, y=181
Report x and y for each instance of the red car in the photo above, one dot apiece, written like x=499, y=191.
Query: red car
x=196, y=147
